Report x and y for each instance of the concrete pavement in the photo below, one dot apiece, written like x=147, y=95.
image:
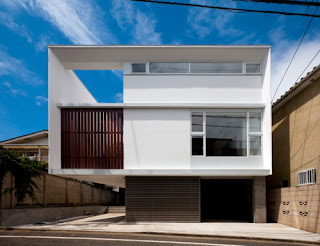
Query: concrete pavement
x=115, y=223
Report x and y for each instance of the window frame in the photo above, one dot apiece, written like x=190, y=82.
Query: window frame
x=203, y=133
x=188, y=72
x=198, y=134
x=254, y=134
x=243, y=72
x=245, y=67
x=308, y=176
x=142, y=62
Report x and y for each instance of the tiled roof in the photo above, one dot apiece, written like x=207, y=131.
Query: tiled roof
x=297, y=85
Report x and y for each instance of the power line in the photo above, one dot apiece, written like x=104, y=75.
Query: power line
x=304, y=34
x=308, y=65
x=228, y=9
x=289, y=2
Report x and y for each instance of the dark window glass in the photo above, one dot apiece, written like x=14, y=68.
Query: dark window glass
x=197, y=122
x=255, y=145
x=255, y=122
x=138, y=67
x=226, y=134
x=169, y=67
x=216, y=67
x=197, y=145
x=253, y=68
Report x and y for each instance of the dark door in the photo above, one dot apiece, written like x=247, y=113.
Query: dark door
x=226, y=200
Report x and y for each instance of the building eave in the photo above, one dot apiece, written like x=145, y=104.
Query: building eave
x=297, y=88
x=30, y=135
x=161, y=105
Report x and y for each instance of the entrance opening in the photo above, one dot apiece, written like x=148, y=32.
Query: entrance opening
x=226, y=200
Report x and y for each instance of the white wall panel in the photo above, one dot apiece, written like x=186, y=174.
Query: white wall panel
x=156, y=139
x=193, y=89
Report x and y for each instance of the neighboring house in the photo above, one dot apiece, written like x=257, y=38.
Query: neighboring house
x=296, y=134
x=33, y=145
x=294, y=187
x=191, y=140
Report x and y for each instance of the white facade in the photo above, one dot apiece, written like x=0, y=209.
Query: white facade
x=157, y=108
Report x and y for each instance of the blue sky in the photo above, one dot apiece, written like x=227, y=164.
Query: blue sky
x=27, y=27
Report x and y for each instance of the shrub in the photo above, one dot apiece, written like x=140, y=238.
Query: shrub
x=23, y=170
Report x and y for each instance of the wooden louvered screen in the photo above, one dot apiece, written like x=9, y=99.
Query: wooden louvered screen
x=92, y=138
x=163, y=199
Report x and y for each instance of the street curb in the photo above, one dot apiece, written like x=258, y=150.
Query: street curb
x=167, y=234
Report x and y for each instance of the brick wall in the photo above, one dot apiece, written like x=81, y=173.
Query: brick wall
x=295, y=206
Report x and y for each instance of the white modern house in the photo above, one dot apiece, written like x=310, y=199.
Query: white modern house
x=191, y=140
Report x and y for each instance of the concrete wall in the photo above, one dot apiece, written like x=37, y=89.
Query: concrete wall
x=156, y=139
x=57, y=191
x=192, y=88
x=296, y=207
x=296, y=134
x=14, y=217
x=64, y=87
x=259, y=200
x=160, y=138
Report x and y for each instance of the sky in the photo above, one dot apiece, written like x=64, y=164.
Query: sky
x=28, y=26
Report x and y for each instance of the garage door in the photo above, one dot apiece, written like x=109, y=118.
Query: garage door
x=226, y=200
x=162, y=199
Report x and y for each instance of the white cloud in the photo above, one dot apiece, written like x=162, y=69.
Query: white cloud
x=123, y=12
x=282, y=52
x=118, y=73
x=118, y=98
x=144, y=30
x=11, y=66
x=12, y=91
x=204, y=21
x=42, y=43
x=142, y=25
x=40, y=100
x=8, y=21
x=80, y=21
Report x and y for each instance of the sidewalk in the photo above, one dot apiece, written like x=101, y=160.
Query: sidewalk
x=115, y=223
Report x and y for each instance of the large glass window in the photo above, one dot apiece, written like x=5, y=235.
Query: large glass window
x=216, y=67
x=226, y=134
x=168, y=67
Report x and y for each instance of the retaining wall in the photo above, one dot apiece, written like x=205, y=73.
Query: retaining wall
x=296, y=207
x=55, y=191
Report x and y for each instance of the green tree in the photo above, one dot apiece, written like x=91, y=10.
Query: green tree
x=23, y=170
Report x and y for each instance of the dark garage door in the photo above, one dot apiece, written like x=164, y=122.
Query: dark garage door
x=162, y=199
x=226, y=200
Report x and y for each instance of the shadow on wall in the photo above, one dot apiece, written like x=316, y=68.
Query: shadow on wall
x=289, y=132
x=55, y=191
x=280, y=154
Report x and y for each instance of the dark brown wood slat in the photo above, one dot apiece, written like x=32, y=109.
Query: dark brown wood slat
x=92, y=138
x=163, y=199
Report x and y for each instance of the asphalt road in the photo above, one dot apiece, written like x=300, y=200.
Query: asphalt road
x=34, y=238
